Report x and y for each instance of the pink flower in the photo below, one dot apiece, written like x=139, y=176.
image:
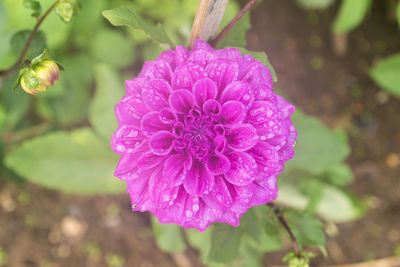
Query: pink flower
x=202, y=136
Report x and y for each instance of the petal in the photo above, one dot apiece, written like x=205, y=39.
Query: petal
x=203, y=90
x=222, y=71
x=161, y=142
x=222, y=194
x=181, y=55
x=168, y=116
x=151, y=123
x=182, y=101
x=126, y=139
x=232, y=112
x=139, y=193
x=174, y=170
x=219, y=143
x=157, y=69
x=130, y=110
x=201, y=57
x=267, y=158
x=186, y=75
x=148, y=160
x=134, y=87
x=212, y=107
x=198, y=180
x=241, y=137
x=202, y=45
x=155, y=94
x=128, y=163
x=243, y=169
x=218, y=164
x=161, y=192
x=235, y=91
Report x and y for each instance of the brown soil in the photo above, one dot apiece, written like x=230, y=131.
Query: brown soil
x=39, y=227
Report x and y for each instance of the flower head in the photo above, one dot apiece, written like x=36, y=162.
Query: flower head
x=202, y=136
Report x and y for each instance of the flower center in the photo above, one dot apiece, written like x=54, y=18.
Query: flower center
x=196, y=133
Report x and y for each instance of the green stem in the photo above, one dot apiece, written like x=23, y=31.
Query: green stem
x=278, y=213
x=33, y=33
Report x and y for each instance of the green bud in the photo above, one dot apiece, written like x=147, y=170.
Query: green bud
x=40, y=76
x=66, y=9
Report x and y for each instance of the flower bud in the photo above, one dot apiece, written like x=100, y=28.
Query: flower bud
x=38, y=77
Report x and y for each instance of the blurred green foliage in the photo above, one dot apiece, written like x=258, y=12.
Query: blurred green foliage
x=74, y=155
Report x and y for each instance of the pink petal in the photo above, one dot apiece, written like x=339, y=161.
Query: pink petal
x=241, y=137
x=232, y=112
x=201, y=57
x=202, y=45
x=168, y=116
x=155, y=94
x=222, y=194
x=186, y=75
x=135, y=86
x=198, y=180
x=181, y=55
x=174, y=170
x=222, y=71
x=161, y=192
x=126, y=139
x=219, y=143
x=243, y=169
x=139, y=193
x=148, y=160
x=212, y=107
x=161, y=142
x=158, y=69
x=218, y=164
x=151, y=123
x=235, y=91
x=203, y=90
x=182, y=101
x=130, y=110
x=267, y=158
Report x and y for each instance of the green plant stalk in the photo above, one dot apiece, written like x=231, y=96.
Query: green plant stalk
x=233, y=22
x=25, y=49
x=278, y=213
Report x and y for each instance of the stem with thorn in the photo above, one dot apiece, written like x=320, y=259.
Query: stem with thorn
x=233, y=22
x=278, y=213
x=29, y=40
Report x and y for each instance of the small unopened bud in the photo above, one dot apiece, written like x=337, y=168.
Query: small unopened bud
x=37, y=78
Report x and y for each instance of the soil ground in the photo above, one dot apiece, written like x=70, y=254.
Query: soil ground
x=40, y=227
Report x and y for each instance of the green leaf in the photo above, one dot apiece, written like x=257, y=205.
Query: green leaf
x=200, y=241
x=237, y=36
x=225, y=243
x=15, y=102
x=386, y=74
x=75, y=162
x=351, y=14
x=121, y=55
x=339, y=175
x=168, y=237
x=334, y=205
x=33, y=5
x=123, y=16
x=66, y=9
x=317, y=147
x=315, y=4
x=307, y=228
x=109, y=89
x=19, y=39
x=263, y=58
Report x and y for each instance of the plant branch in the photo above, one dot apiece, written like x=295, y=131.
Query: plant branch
x=278, y=213
x=29, y=40
x=233, y=22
